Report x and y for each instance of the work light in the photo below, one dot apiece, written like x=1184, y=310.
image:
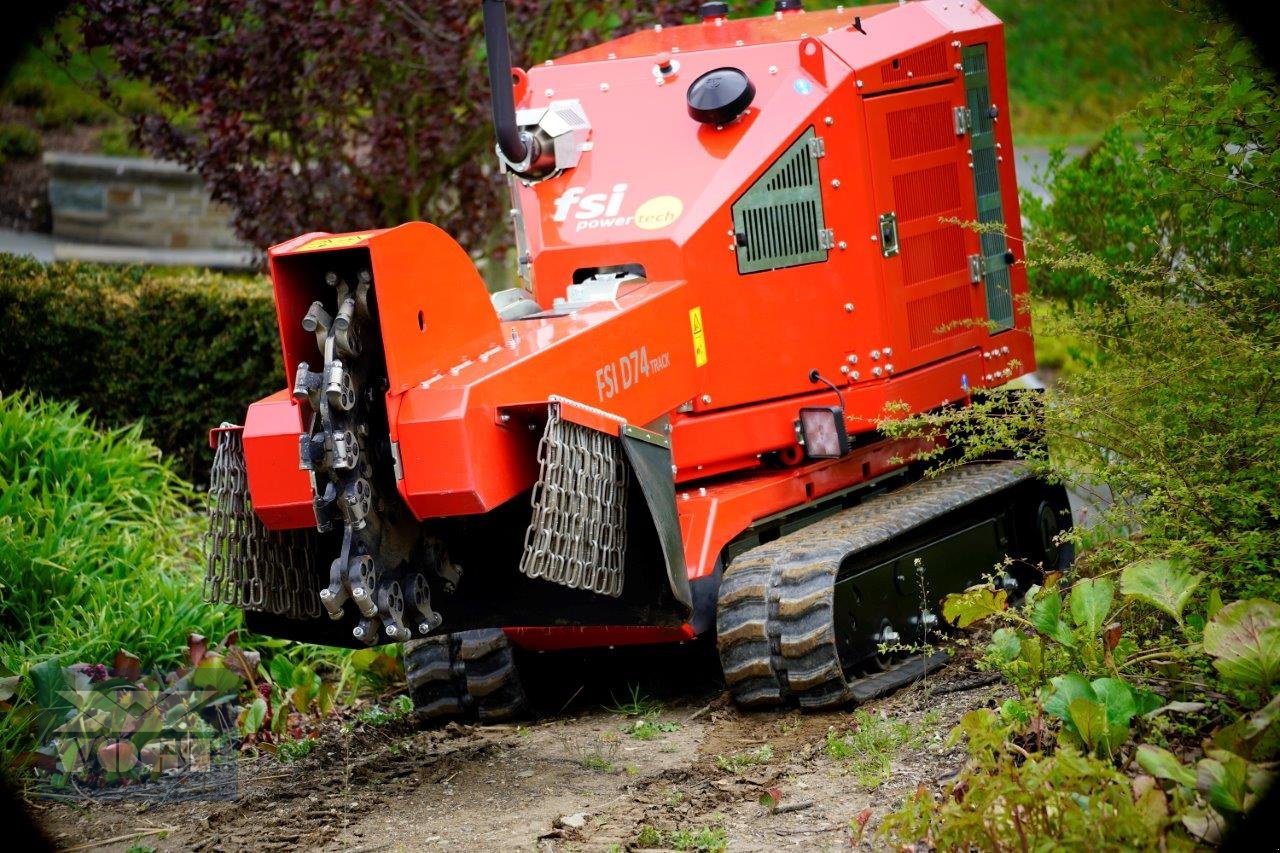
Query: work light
x=825, y=436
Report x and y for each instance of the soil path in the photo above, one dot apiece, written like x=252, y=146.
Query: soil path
x=580, y=780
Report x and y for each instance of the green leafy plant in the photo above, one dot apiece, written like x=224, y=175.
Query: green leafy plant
x=870, y=744
x=647, y=729
x=739, y=761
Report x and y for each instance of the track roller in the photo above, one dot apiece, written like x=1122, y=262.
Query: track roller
x=470, y=675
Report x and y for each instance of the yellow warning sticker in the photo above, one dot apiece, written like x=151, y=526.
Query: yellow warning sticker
x=332, y=242
x=699, y=341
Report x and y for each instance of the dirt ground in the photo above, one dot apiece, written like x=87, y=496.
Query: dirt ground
x=570, y=780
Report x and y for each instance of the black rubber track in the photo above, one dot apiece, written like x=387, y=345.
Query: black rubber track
x=775, y=624
x=470, y=675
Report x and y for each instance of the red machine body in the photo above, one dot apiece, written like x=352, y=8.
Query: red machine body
x=715, y=359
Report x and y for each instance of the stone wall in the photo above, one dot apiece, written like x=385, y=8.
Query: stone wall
x=133, y=201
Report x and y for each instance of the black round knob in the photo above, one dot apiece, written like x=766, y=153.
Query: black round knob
x=787, y=5
x=720, y=95
x=717, y=9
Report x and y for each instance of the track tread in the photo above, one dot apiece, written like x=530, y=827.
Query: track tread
x=775, y=622
x=470, y=675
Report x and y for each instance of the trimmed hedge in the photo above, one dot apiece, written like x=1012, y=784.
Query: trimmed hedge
x=180, y=352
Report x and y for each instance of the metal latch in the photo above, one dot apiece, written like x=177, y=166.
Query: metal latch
x=963, y=121
x=977, y=269
x=889, y=234
x=817, y=147
x=826, y=238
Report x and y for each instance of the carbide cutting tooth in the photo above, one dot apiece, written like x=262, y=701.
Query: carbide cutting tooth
x=317, y=321
x=367, y=630
x=339, y=387
x=364, y=282
x=345, y=332
x=326, y=509
x=310, y=452
x=306, y=385
x=335, y=594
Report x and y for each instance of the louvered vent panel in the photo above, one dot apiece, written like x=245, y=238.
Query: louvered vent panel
x=934, y=253
x=938, y=317
x=920, y=63
x=778, y=220
x=927, y=192
x=920, y=130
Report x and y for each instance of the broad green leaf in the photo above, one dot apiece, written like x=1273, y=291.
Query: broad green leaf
x=1244, y=640
x=1164, y=584
x=1089, y=720
x=281, y=672
x=1214, y=605
x=976, y=603
x=1064, y=689
x=1255, y=736
x=1016, y=711
x=1091, y=602
x=1163, y=764
x=1117, y=698
x=213, y=674
x=1005, y=644
x=251, y=718
x=1046, y=615
x=1223, y=781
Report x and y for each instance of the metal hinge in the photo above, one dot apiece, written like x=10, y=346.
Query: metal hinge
x=889, y=234
x=977, y=269
x=826, y=238
x=963, y=121
x=817, y=147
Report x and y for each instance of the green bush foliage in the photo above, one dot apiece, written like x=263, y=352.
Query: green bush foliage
x=179, y=352
x=1166, y=263
x=97, y=539
x=18, y=142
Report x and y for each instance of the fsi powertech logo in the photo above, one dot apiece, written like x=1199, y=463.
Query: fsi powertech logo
x=606, y=210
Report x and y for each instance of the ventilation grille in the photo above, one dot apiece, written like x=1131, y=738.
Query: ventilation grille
x=940, y=316
x=927, y=192
x=975, y=61
x=933, y=254
x=778, y=221
x=920, y=63
x=919, y=130
x=986, y=185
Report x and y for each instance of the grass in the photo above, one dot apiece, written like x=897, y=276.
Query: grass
x=97, y=539
x=706, y=839
x=378, y=716
x=739, y=761
x=870, y=746
x=637, y=704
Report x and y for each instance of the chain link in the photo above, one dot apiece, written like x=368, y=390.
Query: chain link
x=247, y=565
x=578, y=534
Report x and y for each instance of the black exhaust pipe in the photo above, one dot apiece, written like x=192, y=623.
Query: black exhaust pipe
x=514, y=146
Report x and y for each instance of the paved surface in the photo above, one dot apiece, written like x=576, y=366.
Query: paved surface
x=45, y=248
x=38, y=246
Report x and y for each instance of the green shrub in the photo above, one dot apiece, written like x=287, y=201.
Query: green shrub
x=180, y=352
x=18, y=142
x=97, y=539
x=28, y=92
